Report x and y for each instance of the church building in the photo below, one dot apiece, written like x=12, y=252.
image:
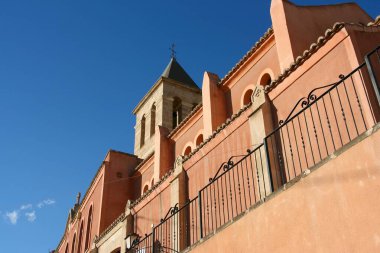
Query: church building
x=279, y=155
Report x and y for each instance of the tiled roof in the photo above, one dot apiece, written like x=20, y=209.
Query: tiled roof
x=110, y=227
x=146, y=194
x=306, y=55
x=175, y=71
x=375, y=22
x=217, y=131
x=329, y=33
x=254, y=48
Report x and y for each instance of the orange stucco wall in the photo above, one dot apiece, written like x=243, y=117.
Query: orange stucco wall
x=188, y=138
x=151, y=211
x=107, y=198
x=90, y=201
x=265, y=62
x=233, y=140
x=333, y=209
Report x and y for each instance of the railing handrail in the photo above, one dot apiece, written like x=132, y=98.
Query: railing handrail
x=188, y=202
x=249, y=152
x=344, y=78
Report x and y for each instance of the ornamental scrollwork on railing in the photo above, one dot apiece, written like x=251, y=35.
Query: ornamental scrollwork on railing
x=308, y=100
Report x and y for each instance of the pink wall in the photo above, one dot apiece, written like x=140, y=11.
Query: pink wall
x=92, y=199
x=293, y=36
x=333, y=209
x=151, y=211
x=107, y=197
x=266, y=63
x=188, y=137
x=233, y=140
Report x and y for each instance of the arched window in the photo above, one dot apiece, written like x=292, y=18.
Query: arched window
x=146, y=188
x=152, y=120
x=67, y=248
x=73, y=245
x=187, y=150
x=117, y=250
x=88, y=230
x=152, y=182
x=265, y=80
x=142, y=137
x=247, y=97
x=199, y=140
x=177, y=111
x=80, y=238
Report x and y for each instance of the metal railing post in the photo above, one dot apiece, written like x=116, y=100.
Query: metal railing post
x=153, y=248
x=375, y=84
x=268, y=163
x=200, y=214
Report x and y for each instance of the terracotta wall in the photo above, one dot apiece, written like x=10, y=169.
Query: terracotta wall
x=143, y=176
x=267, y=62
x=233, y=140
x=90, y=201
x=118, y=187
x=151, y=211
x=188, y=137
x=333, y=209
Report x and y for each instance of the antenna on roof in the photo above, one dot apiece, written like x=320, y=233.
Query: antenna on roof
x=172, y=51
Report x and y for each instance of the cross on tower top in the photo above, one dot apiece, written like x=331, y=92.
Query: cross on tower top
x=172, y=51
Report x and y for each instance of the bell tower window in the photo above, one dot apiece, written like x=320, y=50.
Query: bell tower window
x=142, y=137
x=152, y=120
x=177, y=112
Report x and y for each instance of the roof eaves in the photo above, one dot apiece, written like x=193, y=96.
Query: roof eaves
x=322, y=40
x=253, y=49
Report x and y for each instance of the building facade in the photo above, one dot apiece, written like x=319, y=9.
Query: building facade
x=279, y=155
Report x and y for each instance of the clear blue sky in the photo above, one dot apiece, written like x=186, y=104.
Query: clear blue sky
x=71, y=73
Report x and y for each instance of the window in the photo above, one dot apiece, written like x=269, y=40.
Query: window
x=73, y=245
x=88, y=230
x=177, y=112
x=142, y=137
x=152, y=183
x=199, y=140
x=247, y=97
x=117, y=250
x=80, y=238
x=152, y=120
x=265, y=80
x=187, y=150
x=67, y=248
x=146, y=188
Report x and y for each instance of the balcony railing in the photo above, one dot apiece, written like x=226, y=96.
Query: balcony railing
x=328, y=118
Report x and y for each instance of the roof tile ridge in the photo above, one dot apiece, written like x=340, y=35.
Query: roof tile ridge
x=217, y=131
x=110, y=227
x=146, y=194
x=253, y=49
x=314, y=47
x=376, y=22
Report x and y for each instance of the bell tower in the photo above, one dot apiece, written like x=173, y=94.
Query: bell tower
x=167, y=103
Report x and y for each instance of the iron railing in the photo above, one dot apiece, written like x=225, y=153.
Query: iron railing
x=240, y=186
x=328, y=118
